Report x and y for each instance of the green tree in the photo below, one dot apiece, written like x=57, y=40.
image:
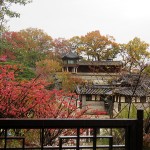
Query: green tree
x=31, y=57
x=5, y=10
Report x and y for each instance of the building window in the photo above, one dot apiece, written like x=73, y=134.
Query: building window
x=97, y=98
x=93, y=97
x=133, y=99
x=88, y=97
x=147, y=99
x=65, y=61
x=143, y=99
x=128, y=99
x=122, y=99
x=138, y=100
x=71, y=61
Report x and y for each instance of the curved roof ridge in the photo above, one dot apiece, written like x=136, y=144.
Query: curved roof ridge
x=71, y=54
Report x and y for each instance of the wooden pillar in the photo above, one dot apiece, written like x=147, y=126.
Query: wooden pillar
x=119, y=104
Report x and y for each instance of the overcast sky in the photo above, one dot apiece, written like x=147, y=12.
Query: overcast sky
x=123, y=19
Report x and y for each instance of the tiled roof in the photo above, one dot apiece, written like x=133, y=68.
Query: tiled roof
x=130, y=91
x=109, y=90
x=94, y=90
x=71, y=55
x=133, y=80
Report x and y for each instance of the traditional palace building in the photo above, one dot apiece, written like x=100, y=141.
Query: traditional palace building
x=105, y=87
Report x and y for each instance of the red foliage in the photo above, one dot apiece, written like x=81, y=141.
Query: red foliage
x=13, y=41
x=14, y=38
x=30, y=98
x=3, y=58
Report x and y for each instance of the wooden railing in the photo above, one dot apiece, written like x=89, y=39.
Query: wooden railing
x=133, y=132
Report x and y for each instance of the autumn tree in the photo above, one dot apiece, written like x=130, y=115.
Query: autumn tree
x=12, y=45
x=14, y=96
x=75, y=43
x=135, y=54
x=51, y=71
x=30, y=99
x=14, y=39
x=15, y=47
x=60, y=46
x=36, y=39
x=47, y=68
x=68, y=82
x=98, y=47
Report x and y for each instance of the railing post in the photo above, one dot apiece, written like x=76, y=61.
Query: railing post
x=139, y=129
x=23, y=146
x=5, y=145
x=78, y=138
x=127, y=139
x=94, y=138
x=42, y=138
x=111, y=143
x=60, y=143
